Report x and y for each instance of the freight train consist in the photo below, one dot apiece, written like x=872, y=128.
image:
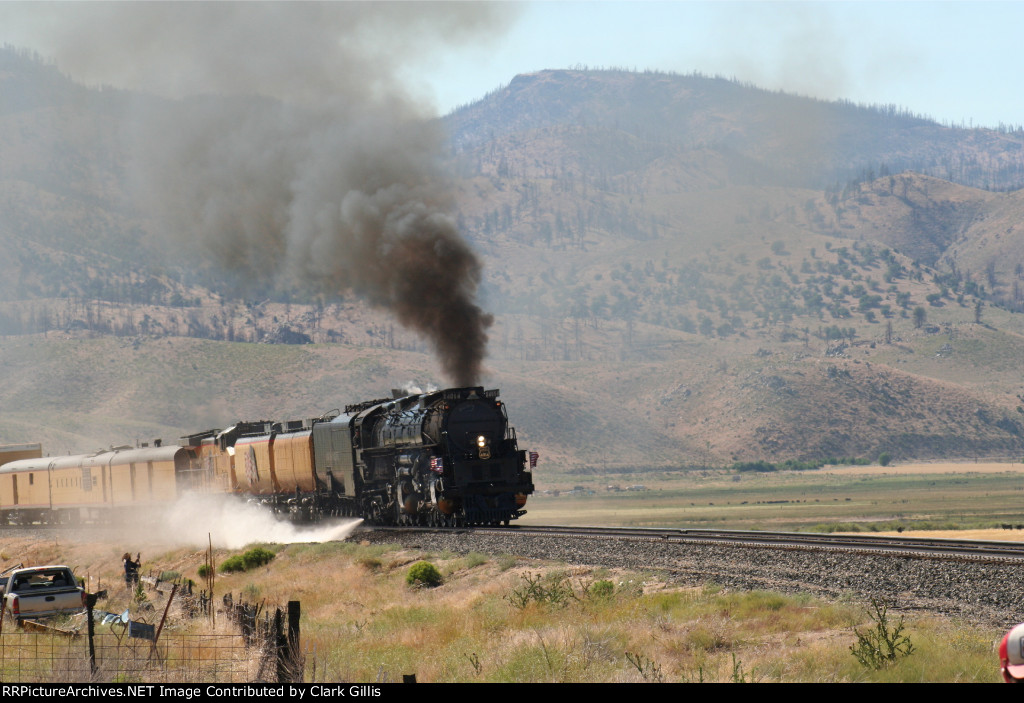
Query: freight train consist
x=446, y=458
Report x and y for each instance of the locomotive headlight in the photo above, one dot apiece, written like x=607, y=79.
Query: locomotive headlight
x=481, y=441
x=484, y=450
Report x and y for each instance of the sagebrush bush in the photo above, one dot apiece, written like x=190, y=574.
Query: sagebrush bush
x=553, y=589
x=423, y=573
x=883, y=644
x=233, y=564
x=256, y=557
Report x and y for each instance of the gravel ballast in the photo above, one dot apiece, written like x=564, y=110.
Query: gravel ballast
x=987, y=593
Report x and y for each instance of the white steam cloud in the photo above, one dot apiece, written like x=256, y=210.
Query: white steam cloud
x=231, y=523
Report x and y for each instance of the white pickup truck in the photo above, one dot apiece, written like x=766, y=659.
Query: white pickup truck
x=42, y=591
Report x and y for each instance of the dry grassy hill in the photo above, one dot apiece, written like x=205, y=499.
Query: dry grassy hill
x=683, y=271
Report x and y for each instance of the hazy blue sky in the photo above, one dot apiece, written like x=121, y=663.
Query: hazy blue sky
x=954, y=61
x=951, y=60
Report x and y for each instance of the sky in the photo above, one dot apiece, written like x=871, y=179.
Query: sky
x=953, y=61
x=957, y=62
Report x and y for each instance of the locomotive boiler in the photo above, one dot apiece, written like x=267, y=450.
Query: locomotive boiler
x=444, y=458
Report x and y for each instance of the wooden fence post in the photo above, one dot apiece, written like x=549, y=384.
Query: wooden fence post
x=290, y=667
x=90, y=603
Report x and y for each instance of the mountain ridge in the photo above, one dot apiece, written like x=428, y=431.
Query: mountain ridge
x=678, y=279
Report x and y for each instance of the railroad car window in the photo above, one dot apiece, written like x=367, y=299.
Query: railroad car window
x=31, y=479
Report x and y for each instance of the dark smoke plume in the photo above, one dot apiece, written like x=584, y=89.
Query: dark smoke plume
x=322, y=202
x=301, y=162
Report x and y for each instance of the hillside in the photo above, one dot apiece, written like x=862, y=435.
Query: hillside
x=761, y=136
x=683, y=271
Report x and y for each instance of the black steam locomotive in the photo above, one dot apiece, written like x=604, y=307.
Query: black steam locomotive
x=446, y=458
x=443, y=458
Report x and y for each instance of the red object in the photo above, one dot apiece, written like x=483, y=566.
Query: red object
x=1011, y=655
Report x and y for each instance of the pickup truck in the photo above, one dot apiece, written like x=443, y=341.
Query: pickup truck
x=42, y=591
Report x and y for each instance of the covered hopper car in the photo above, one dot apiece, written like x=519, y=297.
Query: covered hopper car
x=443, y=458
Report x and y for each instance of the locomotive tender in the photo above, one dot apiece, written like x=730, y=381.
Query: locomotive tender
x=445, y=458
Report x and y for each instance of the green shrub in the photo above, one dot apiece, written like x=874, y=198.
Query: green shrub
x=760, y=466
x=204, y=571
x=233, y=564
x=554, y=589
x=424, y=574
x=602, y=589
x=649, y=669
x=881, y=645
x=884, y=458
x=256, y=557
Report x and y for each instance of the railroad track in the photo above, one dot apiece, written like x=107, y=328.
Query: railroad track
x=903, y=546
x=972, y=550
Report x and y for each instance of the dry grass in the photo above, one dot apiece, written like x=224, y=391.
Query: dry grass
x=989, y=535
x=919, y=468
x=361, y=622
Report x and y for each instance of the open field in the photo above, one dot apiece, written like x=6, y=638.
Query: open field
x=945, y=497
x=938, y=467
x=500, y=618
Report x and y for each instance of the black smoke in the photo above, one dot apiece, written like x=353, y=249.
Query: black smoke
x=284, y=144
x=321, y=202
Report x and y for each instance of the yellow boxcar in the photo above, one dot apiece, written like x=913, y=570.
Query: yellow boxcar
x=57, y=489
x=71, y=486
x=24, y=487
x=139, y=476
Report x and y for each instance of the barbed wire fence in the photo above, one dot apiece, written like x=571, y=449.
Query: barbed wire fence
x=263, y=647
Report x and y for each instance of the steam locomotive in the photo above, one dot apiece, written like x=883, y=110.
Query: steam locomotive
x=444, y=458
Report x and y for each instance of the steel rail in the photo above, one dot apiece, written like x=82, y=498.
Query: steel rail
x=904, y=546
